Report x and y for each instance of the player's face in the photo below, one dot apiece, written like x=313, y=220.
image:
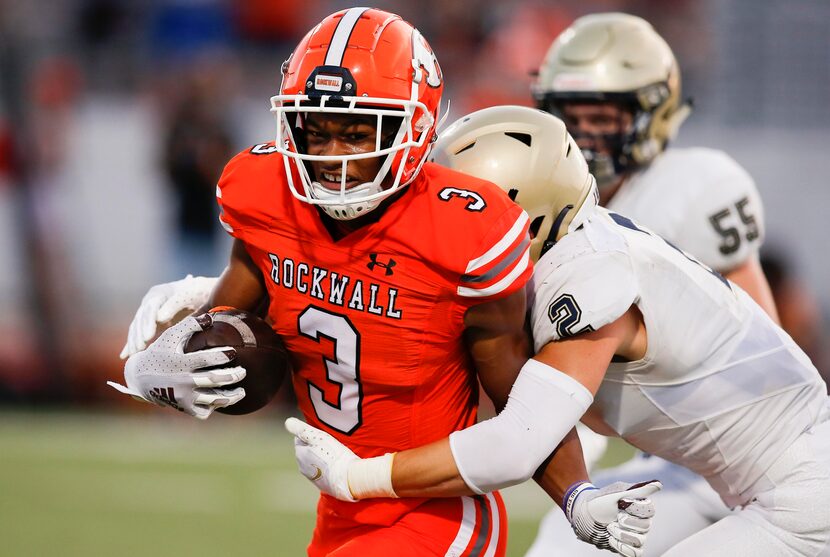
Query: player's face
x=342, y=134
x=591, y=123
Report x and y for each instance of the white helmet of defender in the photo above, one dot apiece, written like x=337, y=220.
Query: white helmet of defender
x=530, y=155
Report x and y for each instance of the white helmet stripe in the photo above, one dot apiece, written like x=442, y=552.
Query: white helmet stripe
x=337, y=47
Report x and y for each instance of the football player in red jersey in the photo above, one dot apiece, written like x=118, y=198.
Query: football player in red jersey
x=391, y=280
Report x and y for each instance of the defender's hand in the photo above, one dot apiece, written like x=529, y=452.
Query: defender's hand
x=616, y=517
x=322, y=459
x=165, y=375
x=161, y=304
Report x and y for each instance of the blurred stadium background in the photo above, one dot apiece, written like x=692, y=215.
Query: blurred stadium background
x=116, y=117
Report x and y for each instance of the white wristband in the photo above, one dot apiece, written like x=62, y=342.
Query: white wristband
x=371, y=477
x=570, y=496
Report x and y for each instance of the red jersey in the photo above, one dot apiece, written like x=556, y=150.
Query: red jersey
x=375, y=320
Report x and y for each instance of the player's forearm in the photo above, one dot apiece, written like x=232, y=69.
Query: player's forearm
x=564, y=468
x=544, y=406
x=428, y=471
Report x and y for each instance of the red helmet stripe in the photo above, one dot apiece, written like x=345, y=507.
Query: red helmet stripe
x=342, y=34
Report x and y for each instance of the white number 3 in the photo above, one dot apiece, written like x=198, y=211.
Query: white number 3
x=344, y=415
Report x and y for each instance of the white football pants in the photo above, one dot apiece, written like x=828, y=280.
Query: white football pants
x=685, y=505
x=790, y=516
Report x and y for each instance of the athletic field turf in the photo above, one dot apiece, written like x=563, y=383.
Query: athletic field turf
x=157, y=484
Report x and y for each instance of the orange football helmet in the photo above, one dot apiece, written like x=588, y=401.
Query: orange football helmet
x=360, y=61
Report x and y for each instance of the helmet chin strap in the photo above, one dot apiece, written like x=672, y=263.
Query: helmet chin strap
x=583, y=213
x=443, y=119
x=587, y=209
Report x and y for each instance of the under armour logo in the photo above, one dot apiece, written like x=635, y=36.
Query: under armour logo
x=165, y=396
x=374, y=262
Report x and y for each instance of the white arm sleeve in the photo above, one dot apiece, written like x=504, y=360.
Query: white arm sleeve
x=543, y=406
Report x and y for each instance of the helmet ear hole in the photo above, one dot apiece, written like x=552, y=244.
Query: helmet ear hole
x=525, y=138
x=466, y=148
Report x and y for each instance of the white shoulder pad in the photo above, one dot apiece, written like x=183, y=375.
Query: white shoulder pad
x=724, y=224
x=581, y=294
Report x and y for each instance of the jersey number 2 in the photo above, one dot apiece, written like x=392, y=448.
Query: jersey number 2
x=564, y=313
x=342, y=370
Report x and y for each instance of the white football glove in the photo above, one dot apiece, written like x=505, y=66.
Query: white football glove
x=322, y=459
x=616, y=517
x=335, y=469
x=161, y=304
x=165, y=375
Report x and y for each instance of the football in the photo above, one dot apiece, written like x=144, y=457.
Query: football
x=258, y=349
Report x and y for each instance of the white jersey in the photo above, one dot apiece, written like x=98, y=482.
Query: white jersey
x=721, y=390
x=700, y=200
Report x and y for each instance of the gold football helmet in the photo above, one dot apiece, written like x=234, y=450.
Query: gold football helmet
x=530, y=155
x=620, y=58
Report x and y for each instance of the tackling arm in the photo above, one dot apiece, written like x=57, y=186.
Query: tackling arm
x=586, y=357
x=543, y=406
x=499, y=345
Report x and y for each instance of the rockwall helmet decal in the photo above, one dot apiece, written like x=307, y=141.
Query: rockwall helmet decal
x=360, y=61
x=424, y=59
